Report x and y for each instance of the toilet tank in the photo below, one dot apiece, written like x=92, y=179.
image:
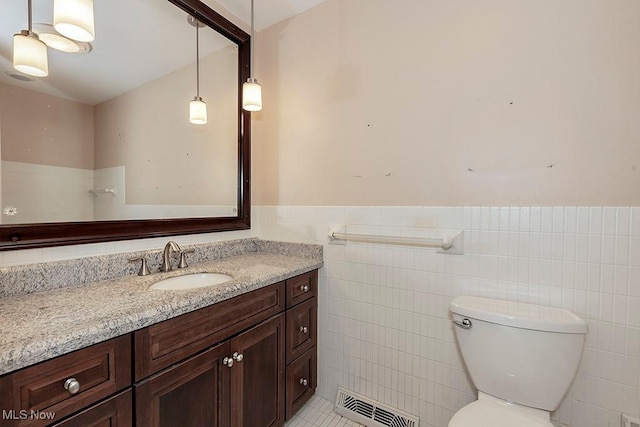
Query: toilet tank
x=523, y=353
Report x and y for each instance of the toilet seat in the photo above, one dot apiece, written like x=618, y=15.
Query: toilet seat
x=489, y=411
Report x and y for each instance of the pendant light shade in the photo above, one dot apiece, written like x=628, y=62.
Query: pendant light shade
x=60, y=43
x=30, y=54
x=251, y=89
x=54, y=40
x=74, y=19
x=198, y=111
x=252, y=95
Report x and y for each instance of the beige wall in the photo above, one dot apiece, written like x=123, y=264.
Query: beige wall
x=44, y=129
x=421, y=102
x=167, y=159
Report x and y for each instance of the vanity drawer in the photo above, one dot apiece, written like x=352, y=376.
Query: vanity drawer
x=301, y=288
x=39, y=390
x=301, y=382
x=301, y=329
x=116, y=411
x=169, y=342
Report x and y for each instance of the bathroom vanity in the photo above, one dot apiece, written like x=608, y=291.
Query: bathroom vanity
x=247, y=357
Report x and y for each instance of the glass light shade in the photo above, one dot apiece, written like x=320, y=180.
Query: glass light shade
x=198, y=111
x=30, y=54
x=74, y=19
x=61, y=43
x=252, y=95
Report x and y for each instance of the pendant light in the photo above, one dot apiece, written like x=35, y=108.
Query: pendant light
x=74, y=19
x=197, y=107
x=29, y=52
x=251, y=90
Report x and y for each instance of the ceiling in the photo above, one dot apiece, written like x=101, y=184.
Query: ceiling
x=149, y=41
x=267, y=12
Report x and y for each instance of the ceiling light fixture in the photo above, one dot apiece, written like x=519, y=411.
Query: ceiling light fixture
x=197, y=107
x=251, y=89
x=29, y=53
x=57, y=41
x=74, y=19
x=19, y=76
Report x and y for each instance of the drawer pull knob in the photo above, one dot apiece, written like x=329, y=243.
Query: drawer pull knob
x=304, y=382
x=304, y=288
x=238, y=356
x=304, y=329
x=227, y=361
x=72, y=385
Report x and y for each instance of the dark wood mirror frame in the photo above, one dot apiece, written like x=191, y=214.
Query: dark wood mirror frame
x=25, y=236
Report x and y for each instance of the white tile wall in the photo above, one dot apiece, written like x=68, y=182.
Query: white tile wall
x=110, y=207
x=45, y=193
x=384, y=327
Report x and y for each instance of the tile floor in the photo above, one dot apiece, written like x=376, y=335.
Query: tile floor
x=319, y=412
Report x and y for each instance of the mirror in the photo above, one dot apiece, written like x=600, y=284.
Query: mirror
x=103, y=149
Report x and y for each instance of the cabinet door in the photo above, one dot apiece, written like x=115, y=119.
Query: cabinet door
x=301, y=329
x=257, y=381
x=194, y=393
x=113, y=412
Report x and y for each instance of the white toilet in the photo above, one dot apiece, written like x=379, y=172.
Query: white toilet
x=521, y=357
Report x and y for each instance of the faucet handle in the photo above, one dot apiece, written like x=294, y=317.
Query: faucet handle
x=143, y=266
x=183, y=259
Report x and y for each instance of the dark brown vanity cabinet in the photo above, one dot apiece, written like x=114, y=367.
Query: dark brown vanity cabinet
x=167, y=343
x=301, y=347
x=263, y=371
x=237, y=383
x=45, y=393
x=249, y=361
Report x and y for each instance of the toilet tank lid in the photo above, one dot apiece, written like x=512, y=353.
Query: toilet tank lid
x=519, y=315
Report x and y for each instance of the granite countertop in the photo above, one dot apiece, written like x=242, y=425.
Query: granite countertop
x=42, y=325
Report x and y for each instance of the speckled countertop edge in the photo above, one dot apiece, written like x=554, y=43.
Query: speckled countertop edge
x=42, y=325
x=31, y=278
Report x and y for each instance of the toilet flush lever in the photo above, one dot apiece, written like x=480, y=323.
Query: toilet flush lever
x=465, y=324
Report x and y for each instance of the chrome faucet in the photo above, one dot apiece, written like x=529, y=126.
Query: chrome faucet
x=166, y=258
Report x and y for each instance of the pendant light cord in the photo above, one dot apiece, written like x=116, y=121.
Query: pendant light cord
x=29, y=13
x=197, y=59
x=252, y=42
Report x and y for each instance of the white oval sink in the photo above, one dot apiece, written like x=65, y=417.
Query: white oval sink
x=191, y=281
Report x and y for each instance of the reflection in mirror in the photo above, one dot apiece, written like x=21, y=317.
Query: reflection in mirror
x=107, y=135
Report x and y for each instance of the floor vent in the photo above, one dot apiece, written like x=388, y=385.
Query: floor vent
x=371, y=413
